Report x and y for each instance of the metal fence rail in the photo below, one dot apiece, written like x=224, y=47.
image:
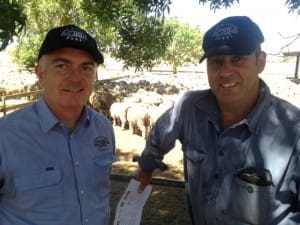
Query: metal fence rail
x=155, y=181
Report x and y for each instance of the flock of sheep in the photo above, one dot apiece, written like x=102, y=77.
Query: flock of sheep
x=135, y=102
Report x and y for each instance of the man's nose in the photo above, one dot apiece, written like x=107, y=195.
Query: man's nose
x=75, y=73
x=226, y=69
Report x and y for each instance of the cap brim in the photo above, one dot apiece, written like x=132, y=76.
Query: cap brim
x=97, y=56
x=202, y=58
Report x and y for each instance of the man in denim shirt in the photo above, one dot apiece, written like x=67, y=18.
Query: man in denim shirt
x=56, y=154
x=240, y=143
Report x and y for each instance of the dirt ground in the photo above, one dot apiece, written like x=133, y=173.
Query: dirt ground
x=129, y=145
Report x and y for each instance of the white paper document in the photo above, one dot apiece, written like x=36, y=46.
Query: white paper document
x=130, y=207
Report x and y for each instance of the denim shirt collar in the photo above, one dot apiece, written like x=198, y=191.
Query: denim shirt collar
x=264, y=100
x=211, y=108
x=48, y=120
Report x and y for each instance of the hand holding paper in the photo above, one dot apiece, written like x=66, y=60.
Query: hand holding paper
x=130, y=207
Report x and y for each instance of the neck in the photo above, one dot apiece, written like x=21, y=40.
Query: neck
x=234, y=113
x=68, y=117
x=230, y=118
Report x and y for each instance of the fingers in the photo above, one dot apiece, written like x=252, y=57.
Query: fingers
x=143, y=177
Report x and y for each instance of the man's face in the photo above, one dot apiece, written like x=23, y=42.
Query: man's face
x=234, y=79
x=67, y=76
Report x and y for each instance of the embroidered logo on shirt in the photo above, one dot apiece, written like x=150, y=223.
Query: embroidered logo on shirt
x=225, y=31
x=101, y=143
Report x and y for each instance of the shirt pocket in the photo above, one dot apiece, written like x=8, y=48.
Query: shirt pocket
x=102, y=169
x=28, y=180
x=250, y=203
x=194, y=158
x=105, y=159
x=103, y=164
x=195, y=155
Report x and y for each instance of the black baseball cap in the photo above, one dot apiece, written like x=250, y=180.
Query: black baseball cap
x=70, y=36
x=235, y=35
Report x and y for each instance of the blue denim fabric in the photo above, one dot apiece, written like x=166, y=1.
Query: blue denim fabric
x=49, y=175
x=267, y=138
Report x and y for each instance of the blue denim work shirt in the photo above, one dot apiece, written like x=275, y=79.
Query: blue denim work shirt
x=268, y=138
x=49, y=175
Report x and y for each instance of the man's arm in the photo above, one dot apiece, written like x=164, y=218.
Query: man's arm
x=161, y=140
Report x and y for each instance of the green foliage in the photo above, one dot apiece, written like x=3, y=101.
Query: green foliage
x=185, y=46
x=217, y=4
x=293, y=6
x=140, y=38
x=131, y=30
x=43, y=15
x=158, y=7
x=12, y=21
x=142, y=41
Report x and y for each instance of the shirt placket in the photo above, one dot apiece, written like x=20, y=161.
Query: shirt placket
x=77, y=167
x=212, y=216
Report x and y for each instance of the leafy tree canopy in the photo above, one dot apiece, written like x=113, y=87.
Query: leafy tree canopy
x=133, y=30
x=185, y=47
x=12, y=21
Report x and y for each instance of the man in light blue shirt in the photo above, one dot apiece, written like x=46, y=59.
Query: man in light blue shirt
x=240, y=143
x=56, y=154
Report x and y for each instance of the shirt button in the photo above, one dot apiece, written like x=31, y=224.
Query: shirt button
x=211, y=200
x=250, y=189
x=82, y=192
x=86, y=220
x=76, y=163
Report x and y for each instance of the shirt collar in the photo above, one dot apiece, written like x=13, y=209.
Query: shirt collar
x=208, y=104
x=262, y=103
x=48, y=120
x=210, y=107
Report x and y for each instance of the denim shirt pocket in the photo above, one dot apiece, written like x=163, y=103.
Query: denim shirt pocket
x=193, y=154
x=247, y=203
x=101, y=172
x=105, y=159
x=28, y=180
x=193, y=162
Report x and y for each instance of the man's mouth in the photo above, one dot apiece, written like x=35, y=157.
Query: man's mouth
x=228, y=85
x=73, y=91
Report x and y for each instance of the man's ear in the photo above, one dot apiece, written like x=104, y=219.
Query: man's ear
x=39, y=73
x=261, y=61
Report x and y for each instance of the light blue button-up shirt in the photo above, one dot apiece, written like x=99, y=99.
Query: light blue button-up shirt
x=49, y=175
x=268, y=138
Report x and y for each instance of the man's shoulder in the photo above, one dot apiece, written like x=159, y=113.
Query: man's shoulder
x=22, y=120
x=197, y=94
x=197, y=97
x=98, y=117
x=286, y=110
x=20, y=114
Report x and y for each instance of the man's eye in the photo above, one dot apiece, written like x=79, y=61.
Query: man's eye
x=237, y=58
x=217, y=61
x=60, y=65
x=89, y=69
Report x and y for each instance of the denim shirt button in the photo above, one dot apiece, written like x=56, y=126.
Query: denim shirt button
x=250, y=189
x=211, y=199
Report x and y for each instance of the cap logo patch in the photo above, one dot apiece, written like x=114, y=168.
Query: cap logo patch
x=74, y=35
x=225, y=31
